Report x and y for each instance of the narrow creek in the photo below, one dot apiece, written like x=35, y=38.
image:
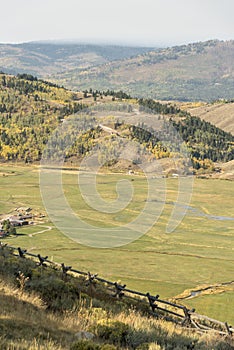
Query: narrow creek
x=194, y=293
x=200, y=213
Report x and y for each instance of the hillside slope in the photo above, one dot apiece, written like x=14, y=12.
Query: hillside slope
x=31, y=109
x=200, y=71
x=220, y=114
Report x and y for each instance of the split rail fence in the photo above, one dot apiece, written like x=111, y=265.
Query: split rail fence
x=180, y=313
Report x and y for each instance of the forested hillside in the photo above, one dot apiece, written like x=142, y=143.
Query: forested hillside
x=219, y=113
x=205, y=142
x=30, y=109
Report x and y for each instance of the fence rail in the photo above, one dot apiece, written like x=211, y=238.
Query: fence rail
x=187, y=317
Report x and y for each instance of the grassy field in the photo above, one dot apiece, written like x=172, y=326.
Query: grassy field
x=214, y=305
x=198, y=252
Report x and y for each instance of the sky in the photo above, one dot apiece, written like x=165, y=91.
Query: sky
x=142, y=22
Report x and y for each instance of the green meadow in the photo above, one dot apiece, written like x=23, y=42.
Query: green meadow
x=200, y=251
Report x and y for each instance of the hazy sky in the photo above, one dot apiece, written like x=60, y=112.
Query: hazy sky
x=144, y=22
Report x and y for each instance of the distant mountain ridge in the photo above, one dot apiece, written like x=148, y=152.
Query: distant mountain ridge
x=202, y=71
x=42, y=59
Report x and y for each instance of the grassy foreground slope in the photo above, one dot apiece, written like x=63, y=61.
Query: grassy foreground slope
x=42, y=310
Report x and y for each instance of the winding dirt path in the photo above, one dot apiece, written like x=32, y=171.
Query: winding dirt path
x=47, y=228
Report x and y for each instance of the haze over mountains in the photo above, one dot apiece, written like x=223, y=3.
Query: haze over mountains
x=201, y=71
x=45, y=58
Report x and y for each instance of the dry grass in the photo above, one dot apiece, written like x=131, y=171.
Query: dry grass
x=23, y=317
x=26, y=324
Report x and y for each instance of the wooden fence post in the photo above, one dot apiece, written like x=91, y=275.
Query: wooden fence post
x=228, y=329
x=2, y=247
x=187, y=316
x=152, y=300
x=42, y=260
x=65, y=270
x=22, y=252
x=91, y=279
x=119, y=290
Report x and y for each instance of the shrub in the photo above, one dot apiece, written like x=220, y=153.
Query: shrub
x=89, y=345
x=144, y=346
x=56, y=294
x=85, y=345
x=114, y=331
x=108, y=347
x=136, y=338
